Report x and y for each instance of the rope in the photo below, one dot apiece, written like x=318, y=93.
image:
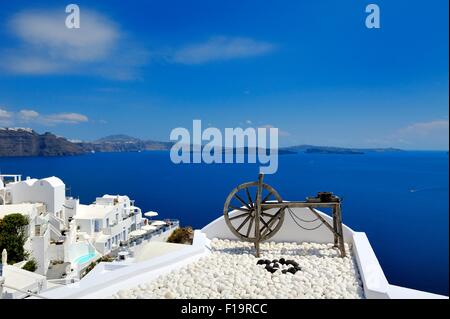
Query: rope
x=293, y=216
x=303, y=220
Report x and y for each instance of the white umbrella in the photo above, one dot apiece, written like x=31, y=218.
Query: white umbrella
x=137, y=233
x=148, y=227
x=158, y=223
x=151, y=214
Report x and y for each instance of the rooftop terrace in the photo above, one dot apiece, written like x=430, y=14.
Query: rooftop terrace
x=232, y=271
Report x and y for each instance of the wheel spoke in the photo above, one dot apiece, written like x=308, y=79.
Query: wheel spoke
x=244, y=222
x=271, y=223
x=265, y=224
x=250, y=227
x=239, y=216
x=266, y=214
x=242, y=201
x=239, y=208
x=250, y=200
x=271, y=220
x=266, y=198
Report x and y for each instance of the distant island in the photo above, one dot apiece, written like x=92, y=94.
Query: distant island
x=124, y=143
x=251, y=150
x=22, y=142
x=313, y=149
x=26, y=142
x=333, y=151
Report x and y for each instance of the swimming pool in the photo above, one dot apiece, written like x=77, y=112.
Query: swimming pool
x=84, y=259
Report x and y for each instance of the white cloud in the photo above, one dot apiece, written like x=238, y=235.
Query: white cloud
x=425, y=128
x=46, y=46
x=5, y=117
x=92, y=41
x=28, y=114
x=4, y=114
x=432, y=135
x=68, y=118
x=424, y=135
x=33, y=117
x=220, y=49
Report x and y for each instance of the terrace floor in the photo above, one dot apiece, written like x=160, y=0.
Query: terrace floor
x=232, y=271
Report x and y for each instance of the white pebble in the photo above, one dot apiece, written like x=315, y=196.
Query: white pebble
x=230, y=271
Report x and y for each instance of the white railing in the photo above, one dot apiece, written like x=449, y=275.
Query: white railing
x=26, y=292
x=63, y=281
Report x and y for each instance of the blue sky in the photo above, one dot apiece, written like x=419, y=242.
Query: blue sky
x=310, y=68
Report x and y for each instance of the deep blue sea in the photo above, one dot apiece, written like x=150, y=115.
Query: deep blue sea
x=400, y=200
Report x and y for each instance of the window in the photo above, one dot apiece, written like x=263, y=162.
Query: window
x=97, y=225
x=107, y=222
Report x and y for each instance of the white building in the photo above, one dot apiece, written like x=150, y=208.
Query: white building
x=108, y=221
x=38, y=231
x=50, y=191
x=61, y=229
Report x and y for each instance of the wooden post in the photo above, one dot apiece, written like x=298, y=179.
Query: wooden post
x=258, y=214
x=340, y=231
x=336, y=238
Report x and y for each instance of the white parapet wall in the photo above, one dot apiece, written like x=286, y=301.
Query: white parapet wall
x=374, y=281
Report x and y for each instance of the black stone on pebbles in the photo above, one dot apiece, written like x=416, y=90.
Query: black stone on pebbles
x=270, y=269
x=263, y=262
x=291, y=262
x=292, y=270
x=281, y=264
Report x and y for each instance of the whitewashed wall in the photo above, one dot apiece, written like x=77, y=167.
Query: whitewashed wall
x=39, y=191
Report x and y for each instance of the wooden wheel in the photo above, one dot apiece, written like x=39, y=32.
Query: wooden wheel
x=240, y=211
